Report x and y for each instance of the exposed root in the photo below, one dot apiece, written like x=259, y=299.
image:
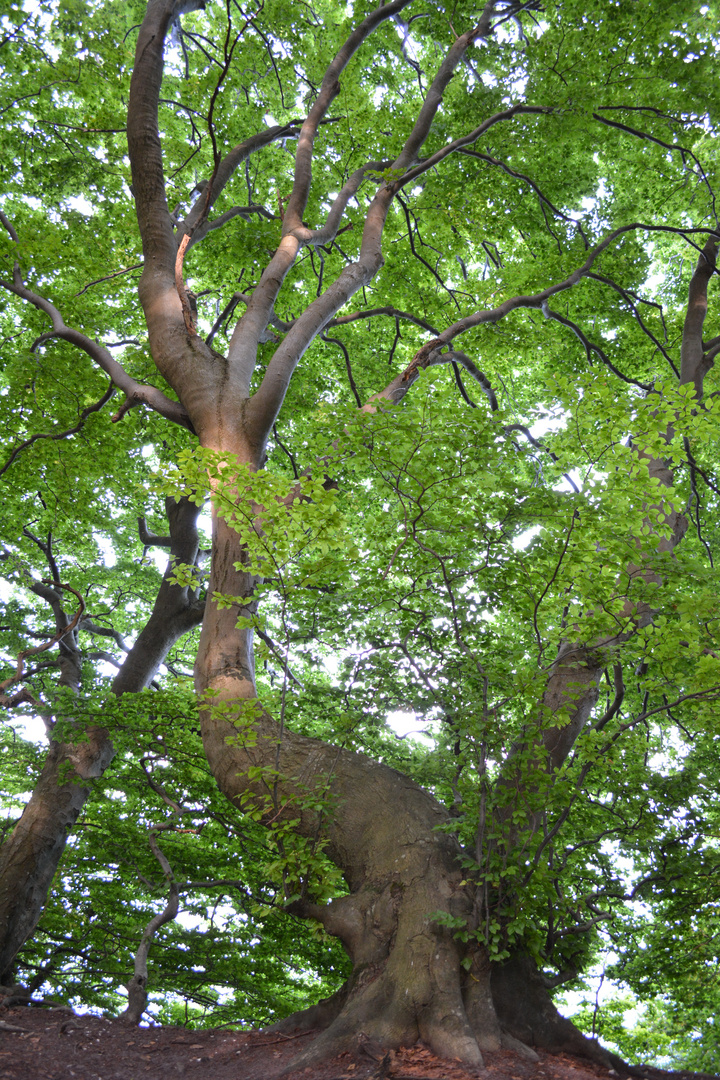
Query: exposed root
x=454, y=1045
x=527, y=1014
x=380, y=1017
x=509, y=1042
x=319, y=1016
x=450, y=1037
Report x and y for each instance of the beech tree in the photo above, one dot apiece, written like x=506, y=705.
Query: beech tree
x=399, y=294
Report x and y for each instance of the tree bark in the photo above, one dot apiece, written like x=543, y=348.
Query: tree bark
x=526, y=1011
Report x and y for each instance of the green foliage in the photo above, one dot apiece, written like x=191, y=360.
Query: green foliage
x=232, y=956
x=438, y=573
x=290, y=529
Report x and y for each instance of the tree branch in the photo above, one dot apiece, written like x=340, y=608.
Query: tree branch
x=629, y=298
x=591, y=347
x=63, y=630
x=228, y=165
x=395, y=313
x=137, y=992
x=693, y=364
x=396, y=390
x=242, y=351
x=473, y=136
x=177, y=608
x=329, y=89
x=531, y=183
x=136, y=393
x=266, y=402
x=57, y=435
x=684, y=152
x=156, y=231
x=461, y=358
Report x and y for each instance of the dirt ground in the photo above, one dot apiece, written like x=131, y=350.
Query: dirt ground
x=55, y=1044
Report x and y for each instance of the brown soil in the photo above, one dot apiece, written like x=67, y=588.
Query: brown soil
x=55, y=1044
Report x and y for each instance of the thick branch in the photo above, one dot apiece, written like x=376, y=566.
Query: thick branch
x=243, y=345
x=156, y=231
x=329, y=90
x=472, y=369
x=434, y=96
x=90, y=627
x=693, y=362
x=177, y=608
x=466, y=140
x=397, y=389
x=329, y=230
x=267, y=401
x=57, y=435
x=224, y=172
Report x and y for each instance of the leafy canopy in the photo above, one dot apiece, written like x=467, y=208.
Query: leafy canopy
x=439, y=573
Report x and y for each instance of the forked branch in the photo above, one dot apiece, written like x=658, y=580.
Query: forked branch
x=692, y=336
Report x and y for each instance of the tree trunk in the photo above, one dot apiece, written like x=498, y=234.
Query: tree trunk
x=30, y=855
x=408, y=981
x=380, y=828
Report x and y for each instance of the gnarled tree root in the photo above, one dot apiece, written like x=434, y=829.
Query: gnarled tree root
x=510, y=1008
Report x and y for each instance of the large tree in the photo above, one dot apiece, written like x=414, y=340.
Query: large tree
x=331, y=229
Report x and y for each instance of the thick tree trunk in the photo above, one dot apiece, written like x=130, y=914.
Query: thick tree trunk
x=378, y=826
x=381, y=830
x=30, y=855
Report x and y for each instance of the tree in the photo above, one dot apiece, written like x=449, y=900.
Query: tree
x=400, y=192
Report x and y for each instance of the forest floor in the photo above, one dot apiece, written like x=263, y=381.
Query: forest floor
x=56, y=1044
